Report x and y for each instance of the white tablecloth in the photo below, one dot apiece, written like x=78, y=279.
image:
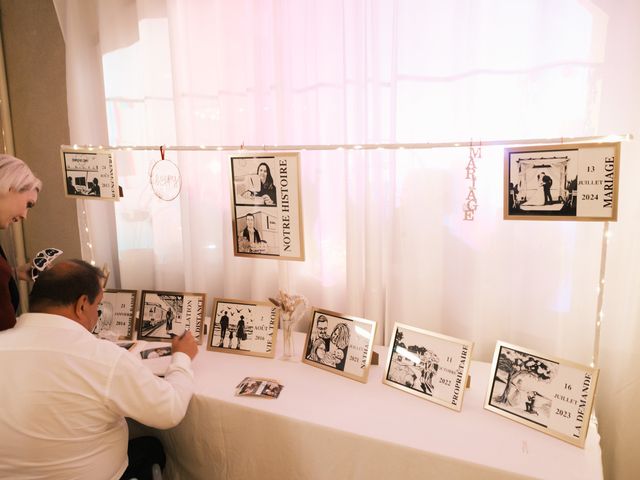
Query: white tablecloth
x=324, y=426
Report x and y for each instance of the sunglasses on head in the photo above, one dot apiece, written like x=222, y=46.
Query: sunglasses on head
x=43, y=260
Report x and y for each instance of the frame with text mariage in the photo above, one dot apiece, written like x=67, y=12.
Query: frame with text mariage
x=562, y=182
x=340, y=344
x=116, y=314
x=166, y=314
x=266, y=206
x=243, y=327
x=89, y=174
x=546, y=393
x=429, y=365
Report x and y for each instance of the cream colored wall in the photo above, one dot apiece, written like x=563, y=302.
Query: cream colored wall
x=34, y=58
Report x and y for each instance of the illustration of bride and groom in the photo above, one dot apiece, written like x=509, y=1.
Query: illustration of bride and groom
x=542, y=195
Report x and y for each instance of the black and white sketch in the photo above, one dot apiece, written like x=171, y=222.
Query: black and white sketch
x=267, y=216
x=90, y=174
x=166, y=314
x=562, y=182
x=341, y=344
x=549, y=394
x=243, y=327
x=116, y=315
x=429, y=365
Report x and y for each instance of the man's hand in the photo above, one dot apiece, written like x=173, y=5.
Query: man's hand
x=185, y=344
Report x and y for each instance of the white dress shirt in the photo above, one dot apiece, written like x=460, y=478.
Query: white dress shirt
x=64, y=395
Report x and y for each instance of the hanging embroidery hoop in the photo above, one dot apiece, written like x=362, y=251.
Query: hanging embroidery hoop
x=165, y=178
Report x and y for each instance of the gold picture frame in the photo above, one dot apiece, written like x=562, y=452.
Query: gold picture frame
x=576, y=182
x=243, y=327
x=430, y=365
x=164, y=315
x=341, y=344
x=547, y=393
x=266, y=206
x=116, y=315
x=89, y=174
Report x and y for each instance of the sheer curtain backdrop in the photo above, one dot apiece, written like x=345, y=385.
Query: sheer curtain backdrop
x=384, y=231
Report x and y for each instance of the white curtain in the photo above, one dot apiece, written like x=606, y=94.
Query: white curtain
x=384, y=231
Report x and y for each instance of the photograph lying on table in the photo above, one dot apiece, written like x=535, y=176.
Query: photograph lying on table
x=166, y=314
x=266, y=206
x=89, y=174
x=243, y=327
x=340, y=344
x=116, y=314
x=432, y=366
x=562, y=182
x=549, y=394
x=259, y=387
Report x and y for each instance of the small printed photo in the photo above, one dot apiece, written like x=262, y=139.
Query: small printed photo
x=253, y=181
x=259, y=387
x=272, y=389
x=157, y=352
x=249, y=388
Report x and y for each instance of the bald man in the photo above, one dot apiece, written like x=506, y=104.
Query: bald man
x=65, y=393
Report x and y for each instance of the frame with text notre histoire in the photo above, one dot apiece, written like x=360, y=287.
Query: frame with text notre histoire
x=546, y=393
x=340, y=344
x=429, y=365
x=243, y=327
x=116, y=314
x=166, y=314
x=562, y=182
x=89, y=174
x=266, y=206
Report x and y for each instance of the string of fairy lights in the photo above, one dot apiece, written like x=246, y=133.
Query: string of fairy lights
x=470, y=175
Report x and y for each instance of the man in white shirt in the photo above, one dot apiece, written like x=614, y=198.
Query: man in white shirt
x=65, y=394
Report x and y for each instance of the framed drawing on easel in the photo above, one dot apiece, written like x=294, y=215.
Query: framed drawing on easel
x=549, y=394
x=429, y=365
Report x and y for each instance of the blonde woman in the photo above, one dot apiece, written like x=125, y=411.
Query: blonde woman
x=19, y=190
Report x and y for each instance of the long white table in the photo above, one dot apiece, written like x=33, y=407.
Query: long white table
x=324, y=426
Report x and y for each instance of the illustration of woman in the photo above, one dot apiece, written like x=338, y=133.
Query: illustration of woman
x=339, y=345
x=267, y=188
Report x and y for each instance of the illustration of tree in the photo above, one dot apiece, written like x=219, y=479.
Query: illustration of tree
x=517, y=365
x=399, y=336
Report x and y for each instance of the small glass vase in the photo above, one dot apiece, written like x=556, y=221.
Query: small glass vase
x=287, y=336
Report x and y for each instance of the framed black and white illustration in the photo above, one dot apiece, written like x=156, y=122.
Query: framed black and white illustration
x=116, y=314
x=89, y=174
x=562, y=182
x=243, y=327
x=165, y=314
x=266, y=206
x=340, y=344
x=427, y=364
x=549, y=394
